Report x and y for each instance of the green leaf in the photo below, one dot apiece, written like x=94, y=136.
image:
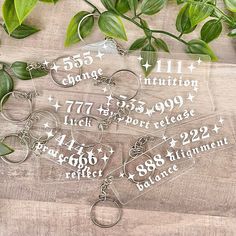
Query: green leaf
x=110, y=5
x=10, y=16
x=5, y=150
x=183, y=24
x=22, y=31
x=151, y=7
x=149, y=59
x=122, y=6
x=85, y=28
x=50, y=1
x=197, y=46
x=211, y=30
x=112, y=26
x=23, y=8
x=161, y=44
x=133, y=4
x=180, y=2
x=139, y=43
x=232, y=33
x=6, y=83
x=19, y=68
x=199, y=11
x=231, y=5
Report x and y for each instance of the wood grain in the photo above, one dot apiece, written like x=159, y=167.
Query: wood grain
x=199, y=203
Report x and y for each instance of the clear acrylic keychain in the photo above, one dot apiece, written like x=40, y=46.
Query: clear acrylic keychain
x=203, y=136
x=65, y=159
x=149, y=167
x=183, y=146
x=150, y=108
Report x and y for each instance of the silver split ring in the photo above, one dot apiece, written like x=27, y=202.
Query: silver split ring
x=15, y=94
x=111, y=80
x=96, y=221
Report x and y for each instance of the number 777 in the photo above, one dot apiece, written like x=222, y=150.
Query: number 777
x=79, y=106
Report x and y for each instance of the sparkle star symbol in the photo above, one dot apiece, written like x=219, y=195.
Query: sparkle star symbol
x=46, y=63
x=147, y=65
x=46, y=125
x=104, y=89
x=164, y=137
x=122, y=175
x=109, y=97
x=191, y=67
x=221, y=120
x=190, y=97
x=99, y=150
x=172, y=143
x=50, y=134
x=111, y=150
x=169, y=154
x=100, y=55
x=216, y=129
x=100, y=109
x=105, y=158
x=199, y=61
x=131, y=176
x=50, y=99
x=140, y=58
x=55, y=67
x=57, y=106
x=149, y=112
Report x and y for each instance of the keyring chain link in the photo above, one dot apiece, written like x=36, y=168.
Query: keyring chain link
x=25, y=95
x=103, y=190
x=122, y=113
x=38, y=65
x=140, y=146
x=25, y=135
x=43, y=66
x=104, y=80
x=121, y=51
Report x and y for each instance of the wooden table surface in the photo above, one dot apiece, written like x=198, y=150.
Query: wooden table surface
x=203, y=202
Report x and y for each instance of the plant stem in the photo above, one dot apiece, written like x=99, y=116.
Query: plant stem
x=171, y=35
x=154, y=31
x=137, y=15
x=93, y=6
x=5, y=64
x=140, y=26
x=181, y=34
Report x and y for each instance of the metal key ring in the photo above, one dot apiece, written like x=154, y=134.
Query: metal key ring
x=35, y=116
x=15, y=94
x=111, y=81
x=100, y=128
x=134, y=180
x=7, y=160
x=53, y=77
x=80, y=23
x=95, y=220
